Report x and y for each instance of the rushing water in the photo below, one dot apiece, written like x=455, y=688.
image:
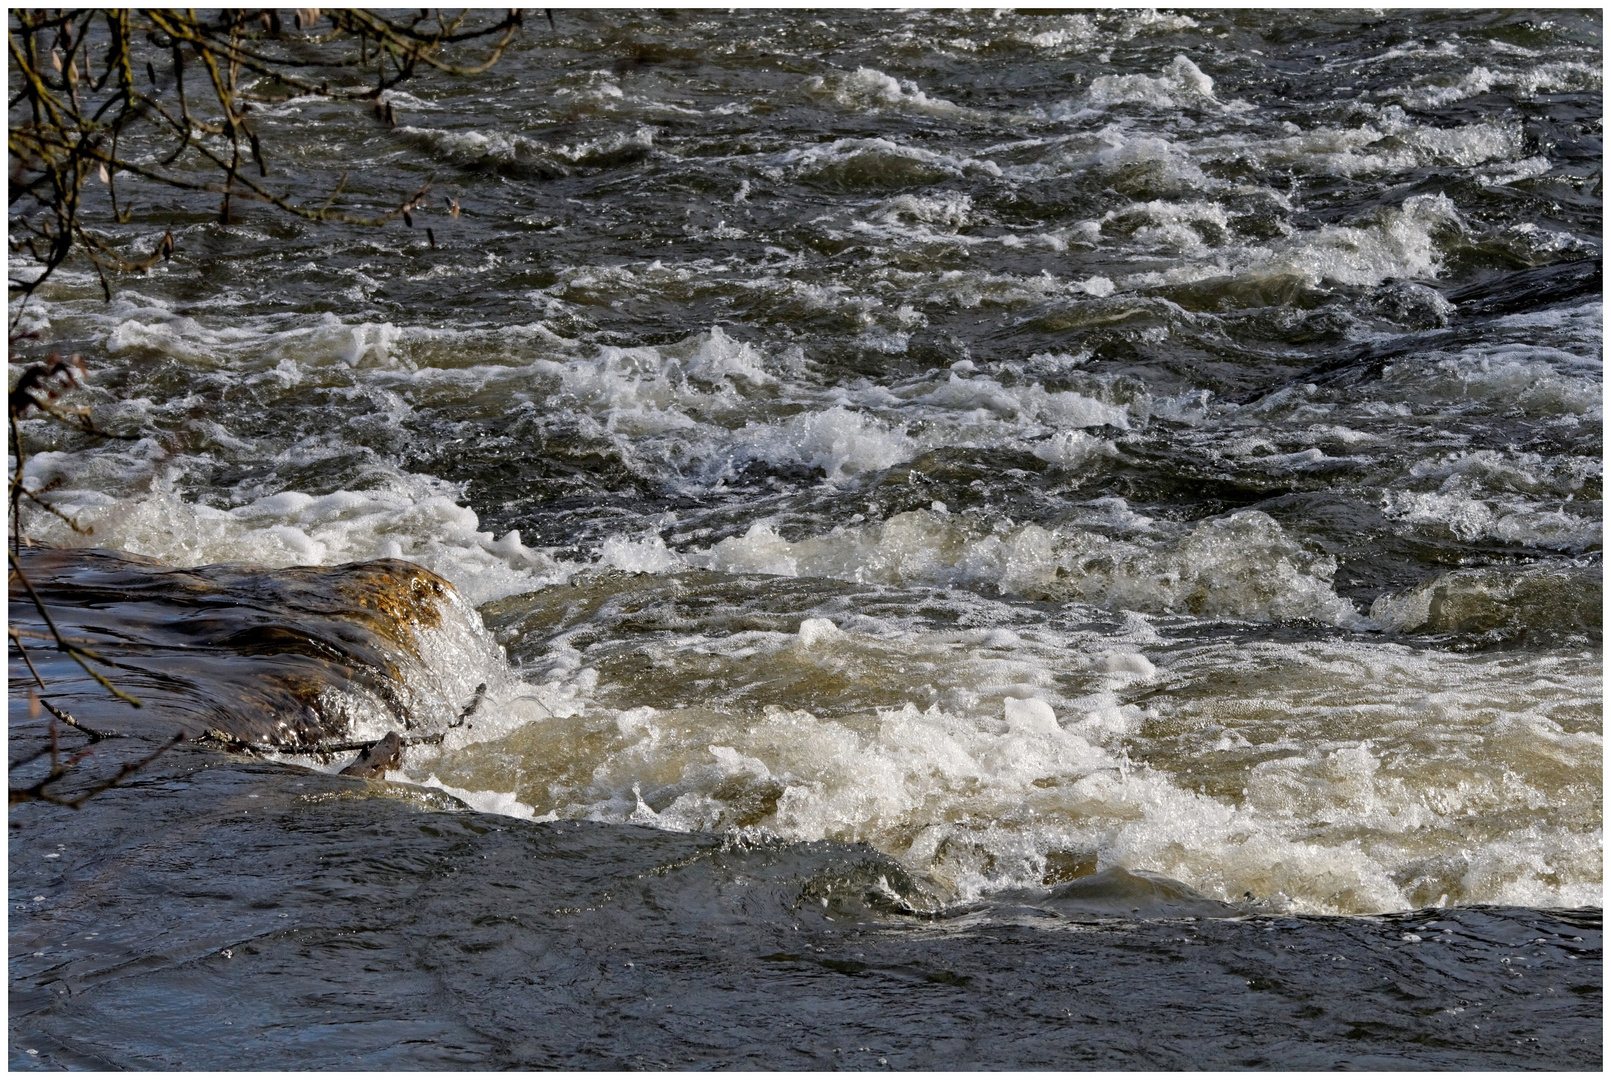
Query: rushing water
x=1029, y=446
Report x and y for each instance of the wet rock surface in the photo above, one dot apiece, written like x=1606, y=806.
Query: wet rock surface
x=219, y=911
x=249, y=653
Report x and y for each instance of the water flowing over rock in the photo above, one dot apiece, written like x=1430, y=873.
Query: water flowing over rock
x=267, y=658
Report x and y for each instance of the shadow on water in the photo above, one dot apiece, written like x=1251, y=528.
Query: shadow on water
x=222, y=911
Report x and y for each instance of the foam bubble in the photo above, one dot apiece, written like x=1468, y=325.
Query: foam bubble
x=1129, y=664
x=1029, y=716
x=646, y=556
x=760, y=550
x=815, y=631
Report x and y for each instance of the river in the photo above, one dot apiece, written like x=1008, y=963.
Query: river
x=1093, y=492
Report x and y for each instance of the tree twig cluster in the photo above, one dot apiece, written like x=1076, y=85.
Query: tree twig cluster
x=167, y=96
x=62, y=765
x=39, y=389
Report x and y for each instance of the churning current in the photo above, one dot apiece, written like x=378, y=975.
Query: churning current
x=1031, y=445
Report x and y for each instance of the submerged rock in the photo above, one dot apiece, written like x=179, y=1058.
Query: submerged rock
x=1119, y=891
x=236, y=910
x=275, y=658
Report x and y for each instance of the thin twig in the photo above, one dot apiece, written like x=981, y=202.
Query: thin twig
x=37, y=792
x=63, y=139
x=326, y=749
x=17, y=641
x=67, y=718
x=80, y=655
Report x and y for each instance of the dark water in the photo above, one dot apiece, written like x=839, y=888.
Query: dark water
x=1005, y=451
x=222, y=915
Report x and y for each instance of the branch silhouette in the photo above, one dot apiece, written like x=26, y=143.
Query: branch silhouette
x=78, y=103
x=77, y=98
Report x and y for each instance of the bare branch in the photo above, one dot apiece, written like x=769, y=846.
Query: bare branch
x=80, y=655
x=79, y=106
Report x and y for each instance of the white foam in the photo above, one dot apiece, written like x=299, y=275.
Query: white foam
x=645, y=556
x=952, y=208
x=687, y=414
x=1029, y=716
x=1468, y=519
x=869, y=88
x=1558, y=76
x=1329, y=741
x=1188, y=228
x=816, y=631
x=1133, y=24
x=502, y=149
x=877, y=162
x=760, y=550
x=1530, y=81
x=1167, y=162
x=1479, y=80
x=1240, y=566
x=1390, y=142
x=1129, y=664
x=1072, y=449
x=839, y=441
x=1075, y=32
x=1181, y=84
x=1400, y=243
x=417, y=520
x=488, y=802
